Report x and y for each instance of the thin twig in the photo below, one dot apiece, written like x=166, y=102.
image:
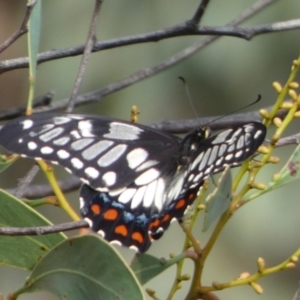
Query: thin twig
x=22, y=30
x=41, y=230
x=24, y=182
x=199, y=13
x=86, y=54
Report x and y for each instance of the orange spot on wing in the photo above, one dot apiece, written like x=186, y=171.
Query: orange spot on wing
x=155, y=223
x=137, y=237
x=96, y=209
x=192, y=196
x=121, y=229
x=111, y=214
x=166, y=218
x=180, y=204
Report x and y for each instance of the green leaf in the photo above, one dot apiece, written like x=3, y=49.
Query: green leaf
x=34, y=27
x=23, y=251
x=146, y=266
x=5, y=162
x=289, y=173
x=219, y=200
x=84, y=267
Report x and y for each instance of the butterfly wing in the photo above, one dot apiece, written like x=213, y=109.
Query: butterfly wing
x=229, y=147
x=104, y=153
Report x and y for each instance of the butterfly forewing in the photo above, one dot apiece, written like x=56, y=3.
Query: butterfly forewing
x=104, y=153
x=136, y=179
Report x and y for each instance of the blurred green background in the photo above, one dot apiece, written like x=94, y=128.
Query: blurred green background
x=228, y=74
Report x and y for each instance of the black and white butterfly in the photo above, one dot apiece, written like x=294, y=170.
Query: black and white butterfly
x=135, y=179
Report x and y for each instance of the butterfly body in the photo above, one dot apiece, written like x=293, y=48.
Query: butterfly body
x=135, y=179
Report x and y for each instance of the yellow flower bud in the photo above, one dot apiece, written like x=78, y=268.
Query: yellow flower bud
x=264, y=113
x=277, y=86
x=293, y=94
x=277, y=121
x=261, y=264
x=257, y=287
x=293, y=85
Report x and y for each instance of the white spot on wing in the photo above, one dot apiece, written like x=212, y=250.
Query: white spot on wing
x=231, y=148
x=49, y=135
x=126, y=196
x=208, y=170
x=27, y=124
x=223, y=148
x=63, y=154
x=213, y=155
x=123, y=131
x=203, y=163
x=146, y=165
x=149, y=194
x=61, y=141
x=237, y=132
x=75, y=134
x=197, y=161
x=138, y=197
x=147, y=177
x=240, y=142
x=81, y=143
x=101, y=232
x=91, y=172
x=198, y=178
x=96, y=149
x=61, y=120
x=248, y=128
x=85, y=127
x=32, y=145
x=116, y=192
x=77, y=163
x=238, y=154
x=228, y=156
x=136, y=157
x=111, y=155
x=115, y=242
x=221, y=137
x=45, y=128
x=160, y=194
x=257, y=134
x=89, y=221
x=46, y=150
x=219, y=161
x=176, y=187
x=109, y=178
x=81, y=202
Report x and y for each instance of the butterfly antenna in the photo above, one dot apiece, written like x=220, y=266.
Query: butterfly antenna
x=187, y=90
x=236, y=110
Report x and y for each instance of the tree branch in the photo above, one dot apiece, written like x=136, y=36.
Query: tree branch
x=41, y=230
x=184, y=29
x=40, y=101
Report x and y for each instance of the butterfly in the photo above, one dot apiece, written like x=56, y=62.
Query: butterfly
x=135, y=179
